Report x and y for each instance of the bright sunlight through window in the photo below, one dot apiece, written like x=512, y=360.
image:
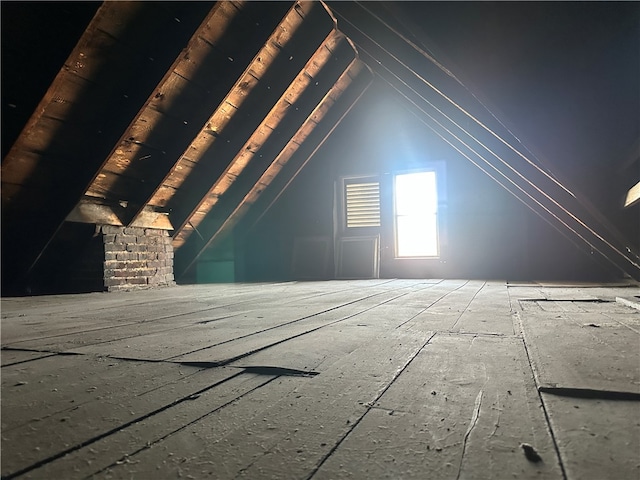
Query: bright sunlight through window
x=416, y=209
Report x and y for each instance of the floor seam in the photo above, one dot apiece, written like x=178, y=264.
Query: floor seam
x=368, y=407
x=173, y=432
x=246, y=354
x=541, y=399
x=114, y=430
x=432, y=304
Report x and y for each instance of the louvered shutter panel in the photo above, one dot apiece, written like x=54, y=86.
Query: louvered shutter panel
x=363, y=204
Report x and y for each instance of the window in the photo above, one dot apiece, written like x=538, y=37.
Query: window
x=362, y=201
x=416, y=214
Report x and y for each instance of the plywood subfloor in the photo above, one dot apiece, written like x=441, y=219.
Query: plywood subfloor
x=447, y=379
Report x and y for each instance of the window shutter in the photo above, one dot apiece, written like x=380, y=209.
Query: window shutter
x=363, y=204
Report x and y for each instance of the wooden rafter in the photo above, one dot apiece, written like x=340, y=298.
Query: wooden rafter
x=124, y=51
x=265, y=130
x=223, y=113
x=238, y=125
x=151, y=148
x=355, y=71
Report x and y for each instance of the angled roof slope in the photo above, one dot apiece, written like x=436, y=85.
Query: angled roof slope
x=454, y=113
x=176, y=116
x=181, y=115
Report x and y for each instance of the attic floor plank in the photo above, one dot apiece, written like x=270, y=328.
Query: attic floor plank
x=562, y=346
x=73, y=416
x=65, y=325
x=211, y=295
x=597, y=438
x=96, y=339
x=37, y=390
x=233, y=334
x=242, y=346
x=461, y=409
x=11, y=357
x=50, y=411
x=125, y=443
x=443, y=304
x=297, y=429
x=489, y=312
x=122, y=444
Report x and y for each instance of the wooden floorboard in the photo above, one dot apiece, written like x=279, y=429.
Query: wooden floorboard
x=290, y=437
x=384, y=378
x=489, y=312
x=442, y=305
x=122, y=446
x=13, y=357
x=101, y=396
x=584, y=350
x=462, y=409
x=78, y=330
x=598, y=439
x=562, y=344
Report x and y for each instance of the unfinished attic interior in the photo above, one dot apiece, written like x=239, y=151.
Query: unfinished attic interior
x=320, y=240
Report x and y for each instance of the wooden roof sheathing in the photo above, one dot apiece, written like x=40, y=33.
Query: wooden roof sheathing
x=161, y=108
x=124, y=52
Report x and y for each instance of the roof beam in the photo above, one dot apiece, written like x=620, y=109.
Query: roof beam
x=181, y=103
x=96, y=212
x=330, y=113
x=303, y=117
x=237, y=126
x=314, y=80
x=87, y=107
